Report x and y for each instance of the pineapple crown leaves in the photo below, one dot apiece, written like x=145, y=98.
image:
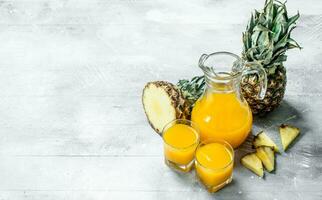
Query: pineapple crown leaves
x=268, y=35
x=192, y=89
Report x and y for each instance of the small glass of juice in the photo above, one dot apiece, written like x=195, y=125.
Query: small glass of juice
x=214, y=164
x=180, y=140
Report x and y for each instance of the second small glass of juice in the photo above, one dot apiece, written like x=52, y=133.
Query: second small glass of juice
x=180, y=138
x=214, y=164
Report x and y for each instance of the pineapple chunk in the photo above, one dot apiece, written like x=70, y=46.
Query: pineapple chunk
x=267, y=156
x=288, y=134
x=261, y=139
x=253, y=163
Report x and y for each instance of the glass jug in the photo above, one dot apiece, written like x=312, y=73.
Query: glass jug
x=222, y=112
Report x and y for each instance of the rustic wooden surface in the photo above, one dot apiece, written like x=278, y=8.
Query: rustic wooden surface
x=71, y=75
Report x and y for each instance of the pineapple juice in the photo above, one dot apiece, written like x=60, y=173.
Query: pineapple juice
x=222, y=116
x=214, y=164
x=180, y=143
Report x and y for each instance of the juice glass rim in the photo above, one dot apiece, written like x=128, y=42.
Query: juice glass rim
x=209, y=141
x=190, y=124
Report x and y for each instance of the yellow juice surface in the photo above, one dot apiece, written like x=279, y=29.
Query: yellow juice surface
x=214, y=164
x=222, y=116
x=180, y=142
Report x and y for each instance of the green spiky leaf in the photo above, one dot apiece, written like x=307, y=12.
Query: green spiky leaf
x=192, y=89
x=268, y=34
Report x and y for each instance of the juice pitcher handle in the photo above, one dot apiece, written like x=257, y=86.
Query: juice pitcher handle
x=257, y=68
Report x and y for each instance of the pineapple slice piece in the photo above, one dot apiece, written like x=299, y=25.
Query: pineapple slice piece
x=261, y=139
x=267, y=156
x=288, y=134
x=162, y=103
x=253, y=163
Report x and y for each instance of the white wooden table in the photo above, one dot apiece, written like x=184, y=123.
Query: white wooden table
x=71, y=75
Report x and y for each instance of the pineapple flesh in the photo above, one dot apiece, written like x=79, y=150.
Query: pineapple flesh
x=288, y=134
x=266, y=40
x=267, y=156
x=253, y=163
x=262, y=139
x=162, y=103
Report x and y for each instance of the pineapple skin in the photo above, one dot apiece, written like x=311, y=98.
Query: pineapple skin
x=276, y=85
x=177, y=101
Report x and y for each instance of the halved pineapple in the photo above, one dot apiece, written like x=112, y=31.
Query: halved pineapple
x=288, y=133
x=162, y=103
x=267, y=156
x=253, y=163
x=261, y=139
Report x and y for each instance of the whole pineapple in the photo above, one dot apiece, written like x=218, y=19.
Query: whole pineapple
x=266, y=39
